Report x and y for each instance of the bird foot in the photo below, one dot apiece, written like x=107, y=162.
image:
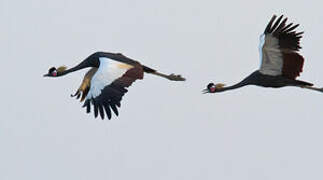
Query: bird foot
x=313, y=88
x=174, y=77
x=318, y=89
x=77, y=94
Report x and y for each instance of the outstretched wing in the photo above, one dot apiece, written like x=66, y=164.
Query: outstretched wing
x=84, y=88
x=278, y=49
x=109, y=84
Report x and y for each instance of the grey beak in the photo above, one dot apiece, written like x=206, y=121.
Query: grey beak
x=45, y=75
x=204, y=91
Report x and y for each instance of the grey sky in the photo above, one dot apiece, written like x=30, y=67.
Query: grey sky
x=166, y=130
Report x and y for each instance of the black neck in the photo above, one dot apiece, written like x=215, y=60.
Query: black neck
x=238, y=85
x=86, y=63
x=246, y=81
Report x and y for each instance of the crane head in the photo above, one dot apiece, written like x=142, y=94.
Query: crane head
x=212, y=88
x=53, y=72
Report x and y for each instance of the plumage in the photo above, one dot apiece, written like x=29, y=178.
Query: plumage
x=279, y=52
x=109, y=84
x=105, y=84
x=61, y=68
x=108, y=72
x=280, y=60
x=85, y=86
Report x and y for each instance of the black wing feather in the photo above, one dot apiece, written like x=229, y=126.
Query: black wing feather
x=289, y=44
x=276, y=23
x=286, y=27
x=101, y=111
x=268, y=27
x=96, y=111
x=87, y=105
x=114, y=109
x=107, y=110
x=111, y=95
x=288, y=38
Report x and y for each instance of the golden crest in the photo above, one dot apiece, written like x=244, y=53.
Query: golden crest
x=219, y=86
x=61, y=68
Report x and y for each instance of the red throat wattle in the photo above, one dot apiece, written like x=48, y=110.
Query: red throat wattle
x=212, y=89
x=54, y=73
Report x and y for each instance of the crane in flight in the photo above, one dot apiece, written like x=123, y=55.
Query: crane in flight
x=280, y=61
x=104, y=85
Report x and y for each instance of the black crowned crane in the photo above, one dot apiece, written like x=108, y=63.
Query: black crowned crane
x=107, y=81
x=280, y=61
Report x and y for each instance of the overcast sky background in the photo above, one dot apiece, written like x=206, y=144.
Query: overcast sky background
x=166, y=130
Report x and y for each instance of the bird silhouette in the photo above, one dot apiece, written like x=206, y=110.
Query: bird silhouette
x=105, y=84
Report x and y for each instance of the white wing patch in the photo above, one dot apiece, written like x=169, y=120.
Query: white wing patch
x=261, y=45
x=270, y=56
x=109, y=70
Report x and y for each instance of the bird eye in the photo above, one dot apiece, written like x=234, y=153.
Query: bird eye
x=210, y=85
x=51, y=70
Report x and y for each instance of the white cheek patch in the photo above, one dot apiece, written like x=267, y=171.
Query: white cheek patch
x=54, y=73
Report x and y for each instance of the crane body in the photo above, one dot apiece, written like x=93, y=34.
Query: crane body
x=281, y=62
x=105, y=84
